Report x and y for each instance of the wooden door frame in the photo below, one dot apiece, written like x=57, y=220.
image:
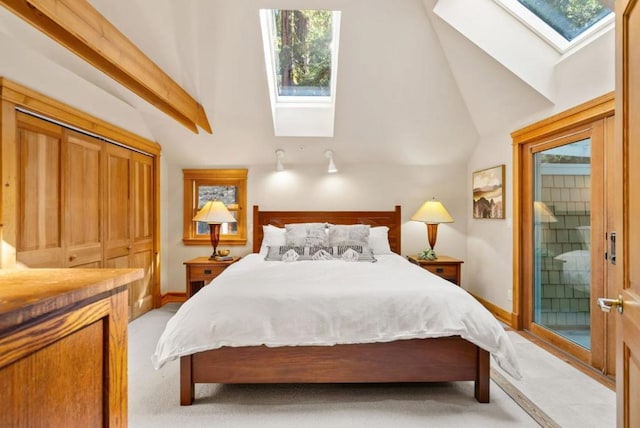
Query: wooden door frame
x=577, y=119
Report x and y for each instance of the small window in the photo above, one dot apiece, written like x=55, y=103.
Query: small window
x=226, y=185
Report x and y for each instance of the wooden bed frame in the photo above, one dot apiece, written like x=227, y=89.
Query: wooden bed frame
x=417, y=360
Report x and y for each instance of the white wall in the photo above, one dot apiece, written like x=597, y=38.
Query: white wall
x=309, y=187
x=580, y=77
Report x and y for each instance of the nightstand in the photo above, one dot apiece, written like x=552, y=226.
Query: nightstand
x=201, y=271
x=444, y=266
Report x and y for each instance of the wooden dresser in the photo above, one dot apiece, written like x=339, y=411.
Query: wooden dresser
x=63, y=347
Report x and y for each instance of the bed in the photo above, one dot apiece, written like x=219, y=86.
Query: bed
x=434, y=359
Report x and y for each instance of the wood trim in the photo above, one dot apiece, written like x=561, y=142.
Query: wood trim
x=34, y=101
x=79, y=27
x=118, y=350
x=590, y=111
x=157, y=263
x=228, y=177
x=509, y=318
x=172, y=297
x=8, y=189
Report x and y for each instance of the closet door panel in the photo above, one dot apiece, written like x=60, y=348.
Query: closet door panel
x=117, y=203
x=83, y=200
x=39, y=231
x=141, y=291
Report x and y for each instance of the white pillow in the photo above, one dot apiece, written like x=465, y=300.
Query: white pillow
x=379, y=240
x=272, y=236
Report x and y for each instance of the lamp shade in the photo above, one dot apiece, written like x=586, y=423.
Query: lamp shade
x=432, y=212
x=214, y=212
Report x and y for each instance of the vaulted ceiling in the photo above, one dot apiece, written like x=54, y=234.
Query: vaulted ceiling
x=416, y=85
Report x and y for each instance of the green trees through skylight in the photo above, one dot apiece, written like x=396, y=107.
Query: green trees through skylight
x=303, y=46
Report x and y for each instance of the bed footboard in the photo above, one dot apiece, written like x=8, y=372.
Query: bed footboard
x=444, y=359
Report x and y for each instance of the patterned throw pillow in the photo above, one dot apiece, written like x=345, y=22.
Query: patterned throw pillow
x=305, y=234
x=355, y=233
x=346, y=252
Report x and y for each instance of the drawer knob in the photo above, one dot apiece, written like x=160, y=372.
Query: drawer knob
x=207, y=271
x=439, y=270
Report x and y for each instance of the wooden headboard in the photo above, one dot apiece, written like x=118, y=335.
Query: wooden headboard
x=391, y=219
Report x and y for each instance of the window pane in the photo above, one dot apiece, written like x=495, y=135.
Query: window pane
x=569, y=18
x=225, y=228
x=562, y=241
x=229, y=196
x=303, y=52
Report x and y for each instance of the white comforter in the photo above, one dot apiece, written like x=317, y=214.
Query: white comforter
x=255, y=302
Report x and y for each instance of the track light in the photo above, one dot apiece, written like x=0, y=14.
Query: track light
x=332, y=165
x=279, y=156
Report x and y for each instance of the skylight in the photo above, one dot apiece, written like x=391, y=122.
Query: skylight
x=301, y=59
x=569, y=18
x=562, y=23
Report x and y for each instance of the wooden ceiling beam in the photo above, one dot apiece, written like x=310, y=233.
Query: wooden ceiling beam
x=79, y=27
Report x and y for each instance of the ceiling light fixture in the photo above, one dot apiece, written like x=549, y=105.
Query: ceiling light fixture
x=279, y=157
x=332, y=165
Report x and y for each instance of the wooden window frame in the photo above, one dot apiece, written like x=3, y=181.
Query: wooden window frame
x=213, y=177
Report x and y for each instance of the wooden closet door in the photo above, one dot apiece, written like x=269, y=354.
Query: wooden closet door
x=142, y=254
x=83, y=208
x=39, y=220
x=117, y=206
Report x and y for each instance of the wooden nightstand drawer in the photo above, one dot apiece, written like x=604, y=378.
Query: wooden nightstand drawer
x=449, y=272
x=204, y=273
x=444, y=266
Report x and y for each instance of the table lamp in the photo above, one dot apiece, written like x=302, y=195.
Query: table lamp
x=214, y=213
x=432, y=213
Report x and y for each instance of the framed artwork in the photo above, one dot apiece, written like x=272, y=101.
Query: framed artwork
x=488, y=192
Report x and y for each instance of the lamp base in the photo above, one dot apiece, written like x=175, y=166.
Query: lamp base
x=428, y=254
x=214, y=235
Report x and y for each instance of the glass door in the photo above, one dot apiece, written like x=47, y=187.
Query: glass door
x=561, y=214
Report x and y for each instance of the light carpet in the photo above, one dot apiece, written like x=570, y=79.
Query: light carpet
x=154, y=398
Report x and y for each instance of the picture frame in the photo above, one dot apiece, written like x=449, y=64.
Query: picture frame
x=488, y=193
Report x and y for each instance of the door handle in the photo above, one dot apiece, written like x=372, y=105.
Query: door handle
x=606, y=304
x=612, y=248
